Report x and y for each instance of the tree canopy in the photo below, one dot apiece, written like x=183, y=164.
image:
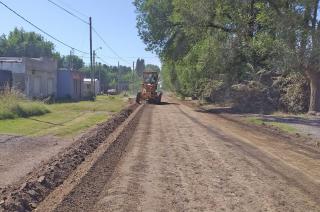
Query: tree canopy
x=20, y=43
x=211, y=49
x=151, y=67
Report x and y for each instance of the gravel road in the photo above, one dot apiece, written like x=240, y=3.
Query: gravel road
x=181, y=160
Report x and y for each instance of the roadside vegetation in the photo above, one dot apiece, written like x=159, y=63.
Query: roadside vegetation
x=282, y=126
x=65, y=119
x=14, y=105
x=261, y=56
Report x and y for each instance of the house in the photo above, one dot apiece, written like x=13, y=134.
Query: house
x=87, y=87
x=69, y=84
x=35, y=77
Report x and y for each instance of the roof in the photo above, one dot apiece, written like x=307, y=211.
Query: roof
x=11, y=59
x=21, y=59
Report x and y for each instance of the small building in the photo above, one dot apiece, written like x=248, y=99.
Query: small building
x=34, y=77
x=87, y=87
x=70, y=84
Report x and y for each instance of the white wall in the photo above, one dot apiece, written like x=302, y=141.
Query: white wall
x=36, y=77
x=15, y=65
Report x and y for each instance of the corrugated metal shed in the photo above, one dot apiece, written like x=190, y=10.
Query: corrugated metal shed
x=69, y=84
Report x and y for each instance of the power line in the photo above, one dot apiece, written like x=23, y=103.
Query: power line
x=77, y=11
x=104, y=61
x=41, y=30
x=95, y=31
x=109, y=47
x=136, y=57
x=67, y=11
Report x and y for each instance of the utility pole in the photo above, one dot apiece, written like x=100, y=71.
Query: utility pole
x=133, y=78
x=94, y=71
x=71, y=59
x=69, y=65
x=91, y=59
x=100, y=84
x=118, y=73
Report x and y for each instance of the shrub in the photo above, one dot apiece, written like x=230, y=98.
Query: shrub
x=14, y=105
x=294, y=93
x=27, y=109
x=253, y=97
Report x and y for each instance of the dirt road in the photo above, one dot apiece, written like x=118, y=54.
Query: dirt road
x=20, y=155
x=182, y=160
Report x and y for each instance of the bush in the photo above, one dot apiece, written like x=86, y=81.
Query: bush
x=27, y=109
x=14, y=105
x=253, y=97
x=294, y=93
x=214, y=91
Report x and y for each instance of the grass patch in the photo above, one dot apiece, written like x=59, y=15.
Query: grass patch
x=283, y=126
x=65, y=119
x=14, y=105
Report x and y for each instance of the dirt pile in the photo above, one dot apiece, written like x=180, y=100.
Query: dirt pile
x=42, y=181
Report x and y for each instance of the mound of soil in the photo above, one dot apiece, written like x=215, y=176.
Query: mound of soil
x=37, y=185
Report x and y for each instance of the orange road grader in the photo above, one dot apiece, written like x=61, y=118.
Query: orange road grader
x=149, y=89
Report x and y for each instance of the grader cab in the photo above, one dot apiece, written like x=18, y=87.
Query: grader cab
x=149, y=89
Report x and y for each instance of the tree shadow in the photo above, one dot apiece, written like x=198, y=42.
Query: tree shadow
x=219, y=110
x=312, y=121
x=168, y=103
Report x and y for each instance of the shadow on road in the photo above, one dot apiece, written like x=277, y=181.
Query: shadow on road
x=168, y=103
x=218, y=110
x=314, y=122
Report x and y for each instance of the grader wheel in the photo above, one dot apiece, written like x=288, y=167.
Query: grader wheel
x=138, y=98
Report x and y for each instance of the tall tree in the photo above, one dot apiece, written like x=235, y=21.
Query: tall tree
x=151, y=67
x=70, y=61
x=140, y=66
x=207, y=44
x=20, y=43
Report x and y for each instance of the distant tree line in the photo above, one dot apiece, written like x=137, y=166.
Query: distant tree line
x=20, y=43
x=260, y=55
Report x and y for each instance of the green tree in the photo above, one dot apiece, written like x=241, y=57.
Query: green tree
x=206, y=45
x=140, y=66
x=151, y=67
x=20, y=43
x=70, y=61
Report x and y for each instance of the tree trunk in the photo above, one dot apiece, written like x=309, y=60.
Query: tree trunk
x=315, y=92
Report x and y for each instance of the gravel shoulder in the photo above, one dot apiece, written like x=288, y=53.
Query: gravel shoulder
x=181, y=160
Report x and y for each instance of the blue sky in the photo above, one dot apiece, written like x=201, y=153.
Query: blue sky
x=115, y=20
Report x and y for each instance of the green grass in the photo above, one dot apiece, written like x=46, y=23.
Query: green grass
x=283, y=126
x=13, y=105
x=65, y=119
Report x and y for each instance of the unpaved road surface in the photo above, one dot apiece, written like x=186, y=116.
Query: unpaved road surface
x=182, y=160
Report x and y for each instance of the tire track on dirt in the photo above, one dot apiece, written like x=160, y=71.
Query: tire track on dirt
x=291, y=176
x=178, y=160
x=84, y=196
x=131, y=191
x=172, y=180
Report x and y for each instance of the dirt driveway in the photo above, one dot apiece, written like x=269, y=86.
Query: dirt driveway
x=182, y=160
x=19, y=155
